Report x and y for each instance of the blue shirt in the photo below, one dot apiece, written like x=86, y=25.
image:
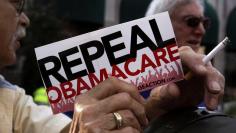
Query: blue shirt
x=6, y=84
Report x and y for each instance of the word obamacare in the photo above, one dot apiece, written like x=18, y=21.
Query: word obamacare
x=69, y=90
x=105, y=47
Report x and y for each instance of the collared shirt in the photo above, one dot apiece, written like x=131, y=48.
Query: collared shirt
x=19, y=114
x=6, y=84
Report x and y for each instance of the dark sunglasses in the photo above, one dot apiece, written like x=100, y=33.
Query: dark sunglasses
x=194, y=22
x=19, y=5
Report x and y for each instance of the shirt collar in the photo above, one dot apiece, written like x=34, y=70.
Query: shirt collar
x=6, y=84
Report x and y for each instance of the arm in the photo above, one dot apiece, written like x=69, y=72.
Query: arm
x=29, y=117
x=207, y=85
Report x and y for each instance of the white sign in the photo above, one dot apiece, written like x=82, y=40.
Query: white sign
x=142, y=52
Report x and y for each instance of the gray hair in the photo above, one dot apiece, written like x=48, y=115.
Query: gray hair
x=157, y=6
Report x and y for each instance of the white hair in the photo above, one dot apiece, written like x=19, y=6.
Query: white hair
x=157, y=6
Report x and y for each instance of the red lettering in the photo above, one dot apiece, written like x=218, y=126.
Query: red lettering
x=81, y=85
x=116, y=72
x=94, y=80
x=127, y=70
x=57, y=91
x=67, y=89
x=146, y=62
x=160, y=57
x=173, y=49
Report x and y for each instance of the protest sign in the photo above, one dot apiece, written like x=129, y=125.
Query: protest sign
x=142, y=52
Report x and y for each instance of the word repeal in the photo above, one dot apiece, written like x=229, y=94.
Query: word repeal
x=102, y=47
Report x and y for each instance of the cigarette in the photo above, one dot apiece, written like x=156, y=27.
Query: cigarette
x=211, y=55
x=219, y=47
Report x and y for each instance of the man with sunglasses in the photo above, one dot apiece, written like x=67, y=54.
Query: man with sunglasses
x=187, y=17
x=189, y=24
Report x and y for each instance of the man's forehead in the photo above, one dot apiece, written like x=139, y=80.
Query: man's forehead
x=188, y=10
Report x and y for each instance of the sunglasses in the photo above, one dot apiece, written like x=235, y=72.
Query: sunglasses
x=19, y=5
x=194, y=22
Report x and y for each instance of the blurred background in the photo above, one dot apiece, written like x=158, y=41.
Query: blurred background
x=60, y=19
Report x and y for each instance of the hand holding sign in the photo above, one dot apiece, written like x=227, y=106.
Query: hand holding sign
x=207, y=84
x=94, y=110
x=186, y=93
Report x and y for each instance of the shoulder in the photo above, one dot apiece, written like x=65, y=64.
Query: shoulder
x=5, y=84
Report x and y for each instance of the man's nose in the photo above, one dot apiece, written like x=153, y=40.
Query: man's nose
x=200, y=30
x=24, y=20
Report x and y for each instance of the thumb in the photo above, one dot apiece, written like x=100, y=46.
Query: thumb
x=162, y=99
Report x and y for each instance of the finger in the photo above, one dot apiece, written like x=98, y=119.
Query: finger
x=105, y=122
x=108, y=121
x=112, y=86
x=212, y=100
x=129, y=119
x=214, y=92
x=122, y=101
x=192, y=60
x=83, y=100
x=99, y=130
x=215, y=81
x=125, y=130
x=107, y=88
x=164, y=94
x=159, y=99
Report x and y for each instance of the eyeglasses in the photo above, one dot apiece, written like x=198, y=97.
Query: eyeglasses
x=19, y=5
x=194, y=22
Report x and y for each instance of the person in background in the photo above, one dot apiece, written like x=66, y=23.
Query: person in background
x=164, y=99
x=206, y=83
x=187, y=18
x=19, y=114
x=189, y=24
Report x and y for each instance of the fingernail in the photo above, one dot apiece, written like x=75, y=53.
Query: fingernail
x=215, y=86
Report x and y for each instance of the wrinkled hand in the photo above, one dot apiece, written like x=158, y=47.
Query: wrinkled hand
x=206, y=84
x=96, y=108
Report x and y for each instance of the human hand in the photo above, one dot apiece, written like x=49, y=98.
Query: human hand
x=206, y=84
x=96, y=107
